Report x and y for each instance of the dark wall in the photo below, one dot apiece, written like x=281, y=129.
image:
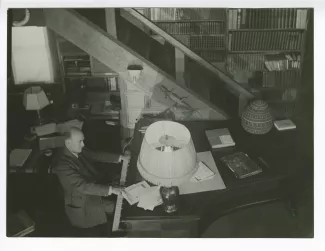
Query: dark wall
x=36, y=16
x=306, y=93
x=305, y=103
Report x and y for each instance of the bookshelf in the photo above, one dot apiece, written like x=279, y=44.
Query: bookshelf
x=79, y=68
x=201, y=30
x=267, y=46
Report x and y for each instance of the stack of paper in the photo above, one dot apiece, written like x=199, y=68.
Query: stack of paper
x=133, y=193
x=19, y=156
x=147, y=197
x=150, y=199
x=203, y=173
x=215, y=183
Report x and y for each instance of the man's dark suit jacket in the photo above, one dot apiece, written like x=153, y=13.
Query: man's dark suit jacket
x=83, y=203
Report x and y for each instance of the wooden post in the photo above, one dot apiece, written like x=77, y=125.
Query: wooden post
x=242, y=103
x=180, y=67
x=110, y=21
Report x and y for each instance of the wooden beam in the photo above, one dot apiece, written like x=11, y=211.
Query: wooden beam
x=118, y=57
x=110, y=21
x=229, y=81
x=180, y=67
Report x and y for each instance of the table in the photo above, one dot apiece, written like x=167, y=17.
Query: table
x=283, y=176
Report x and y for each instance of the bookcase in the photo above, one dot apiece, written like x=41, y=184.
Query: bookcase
x=202, y=30
x=267, y=46
x=78, y=67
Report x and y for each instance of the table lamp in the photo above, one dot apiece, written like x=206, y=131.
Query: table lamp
x=167, y=158
x=35, y=100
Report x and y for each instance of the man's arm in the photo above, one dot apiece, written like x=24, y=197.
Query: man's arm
x=102, y=156
x=68, y=177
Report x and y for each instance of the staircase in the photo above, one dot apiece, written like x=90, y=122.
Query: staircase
x=203, y=92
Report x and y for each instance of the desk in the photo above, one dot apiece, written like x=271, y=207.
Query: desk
x=285, y=172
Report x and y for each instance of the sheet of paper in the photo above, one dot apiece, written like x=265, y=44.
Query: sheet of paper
x=19, y=156
x=65, y=127
x=203, y=173
x=216, y=183
x=150, y=198
x=133, y=192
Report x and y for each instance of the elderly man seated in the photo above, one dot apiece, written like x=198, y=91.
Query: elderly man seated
x=84, y=205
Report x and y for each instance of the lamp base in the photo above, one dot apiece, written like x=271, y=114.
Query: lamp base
x=170, y=197
x=40, y=120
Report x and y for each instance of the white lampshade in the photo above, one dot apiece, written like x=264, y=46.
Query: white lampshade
x=167, y=156
x=35, y=98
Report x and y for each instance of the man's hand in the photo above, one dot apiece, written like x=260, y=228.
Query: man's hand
x=116, y=190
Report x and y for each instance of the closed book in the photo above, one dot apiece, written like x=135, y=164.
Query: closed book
x=241, y=165
x=219, y=138
x=285, y=124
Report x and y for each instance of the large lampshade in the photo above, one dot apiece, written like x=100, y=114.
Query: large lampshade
x=167, y=156
x=35, y=98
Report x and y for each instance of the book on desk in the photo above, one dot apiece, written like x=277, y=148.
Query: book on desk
x=219, y=138
x=241, y=165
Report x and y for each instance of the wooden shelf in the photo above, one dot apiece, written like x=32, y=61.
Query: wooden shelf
x=266, y=29
x=93, y=76
x=267, y=52
x=280, y=101
x=195, y=34
x=273, y=88
x=188, y=21
x=208, y=49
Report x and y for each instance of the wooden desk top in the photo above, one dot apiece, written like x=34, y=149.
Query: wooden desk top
x=286, y=168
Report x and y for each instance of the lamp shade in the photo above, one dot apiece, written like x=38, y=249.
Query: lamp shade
x=167, y=156
x=35, y=98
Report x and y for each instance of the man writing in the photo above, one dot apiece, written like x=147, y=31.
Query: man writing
x=84, y=205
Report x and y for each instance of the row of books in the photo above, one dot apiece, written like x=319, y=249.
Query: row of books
x=211, y=56
x=282, y=62
x=265, y=40
x=200, y=14
x=287, y=18
x=112, y=84
x=192, y=28
x=289, y=94
x=250, y=62
x=260, y=62
x=281, y=79
x=163, y=14
x=207, y=42
x=77, y=65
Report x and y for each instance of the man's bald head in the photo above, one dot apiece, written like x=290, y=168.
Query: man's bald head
x=74, y=140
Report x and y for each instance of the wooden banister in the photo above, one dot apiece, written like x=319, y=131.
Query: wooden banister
x=230, y=83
